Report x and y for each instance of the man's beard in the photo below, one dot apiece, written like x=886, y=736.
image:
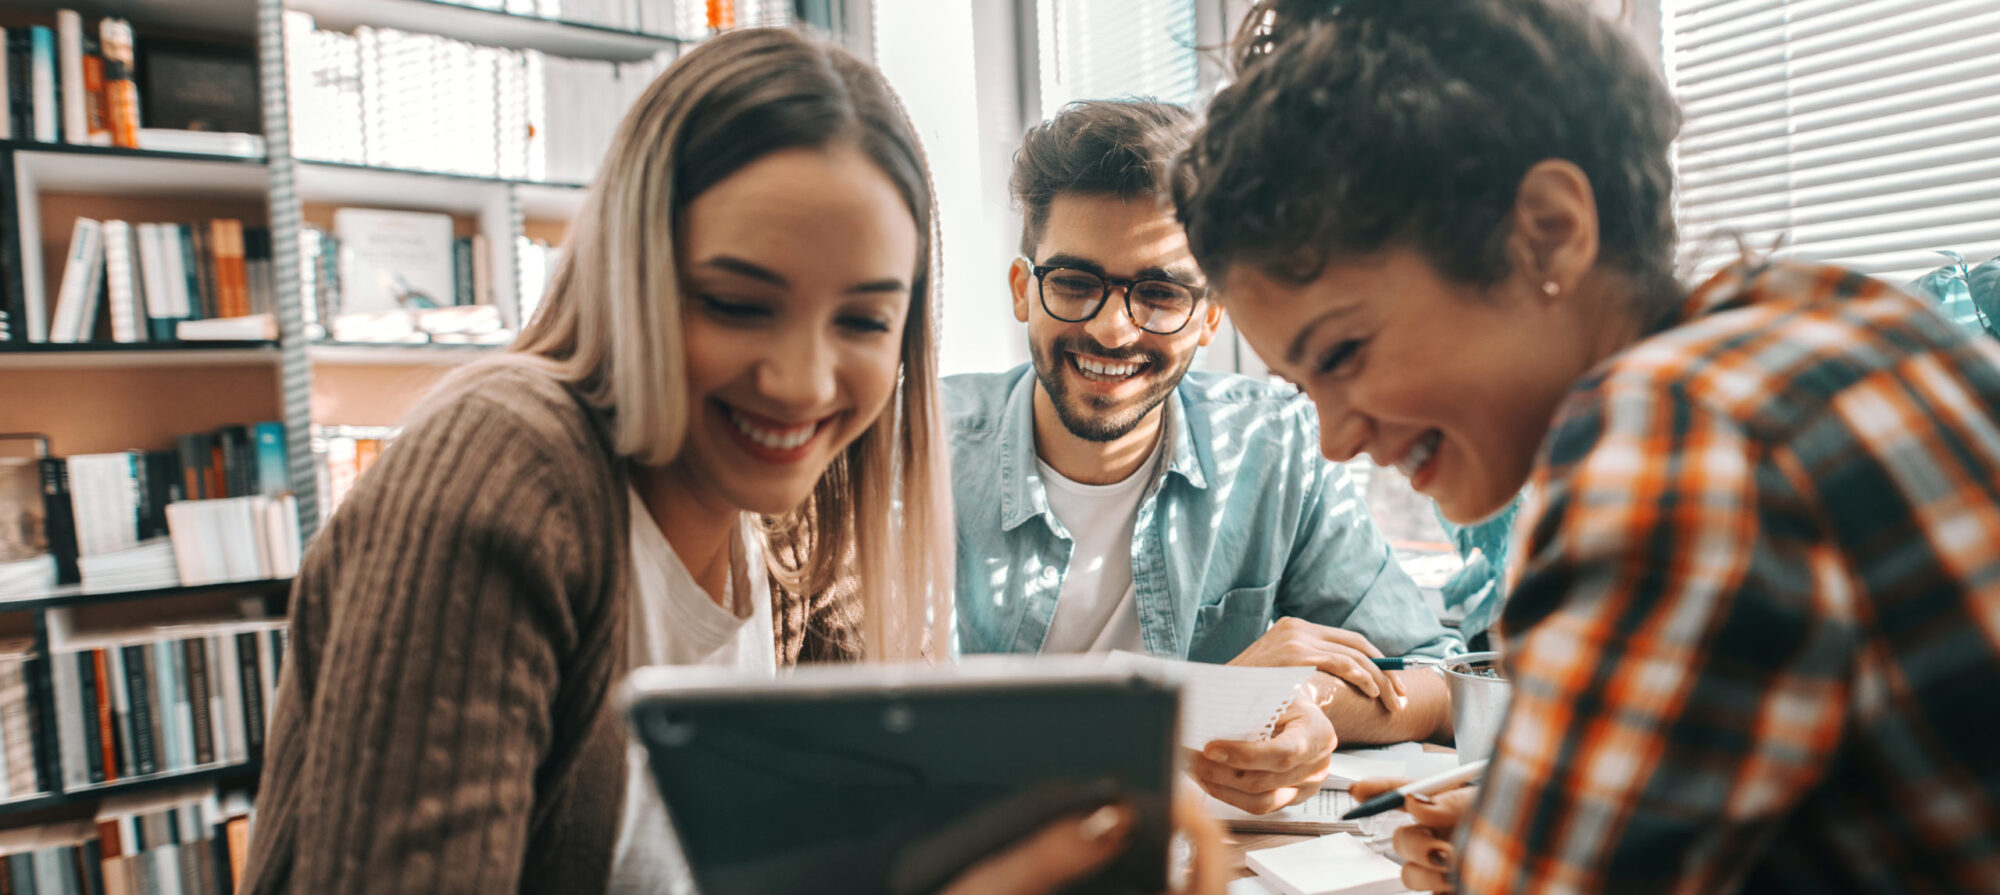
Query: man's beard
x=1095, y=417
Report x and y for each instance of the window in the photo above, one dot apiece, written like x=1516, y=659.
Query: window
x=1859, y=131
x=1105, y=49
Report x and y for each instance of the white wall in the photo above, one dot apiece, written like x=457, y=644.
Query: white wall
x=954, y=63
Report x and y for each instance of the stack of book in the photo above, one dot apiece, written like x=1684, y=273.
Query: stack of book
x=103, y=520
x=344, y=453
x=23, y=772
x=398, y=99
x=178, y=842
x=78, y=83
x=163, y=700
x=162, y=282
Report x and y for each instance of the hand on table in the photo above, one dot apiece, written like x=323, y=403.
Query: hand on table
x=1263, y=776
x=1071, y=849
x=1339, y=652
x=1425, y=846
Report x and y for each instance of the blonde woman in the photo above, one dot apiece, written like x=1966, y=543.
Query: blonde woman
x=728, y=391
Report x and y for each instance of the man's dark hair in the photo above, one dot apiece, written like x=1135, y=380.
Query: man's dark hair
x=1119, y=148
x=1360, y=124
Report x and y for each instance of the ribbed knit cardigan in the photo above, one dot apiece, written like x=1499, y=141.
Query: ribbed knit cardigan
x=446, y=721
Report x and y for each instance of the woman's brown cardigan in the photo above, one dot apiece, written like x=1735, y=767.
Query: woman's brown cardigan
x=447, y=719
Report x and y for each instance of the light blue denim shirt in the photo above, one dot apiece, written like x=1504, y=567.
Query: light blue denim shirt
x=1243, y=523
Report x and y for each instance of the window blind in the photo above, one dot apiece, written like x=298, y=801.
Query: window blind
x=1862, y=132
x=1106, y=49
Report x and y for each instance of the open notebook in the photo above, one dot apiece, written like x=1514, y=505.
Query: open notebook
x=1227, y=702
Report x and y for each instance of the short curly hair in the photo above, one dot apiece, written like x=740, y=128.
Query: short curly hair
x=1363, y=124
x=1124, y=148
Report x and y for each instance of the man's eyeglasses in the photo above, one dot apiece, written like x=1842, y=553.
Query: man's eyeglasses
x=1159, y=306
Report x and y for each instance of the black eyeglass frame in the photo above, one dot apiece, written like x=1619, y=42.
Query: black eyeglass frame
x=1041, y=272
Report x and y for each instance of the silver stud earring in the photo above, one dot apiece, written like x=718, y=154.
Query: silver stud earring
x=1552, y=289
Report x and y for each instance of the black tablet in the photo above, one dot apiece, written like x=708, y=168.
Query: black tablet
x=892, y=779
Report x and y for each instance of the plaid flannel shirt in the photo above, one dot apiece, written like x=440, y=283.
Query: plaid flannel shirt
x=1755, y=635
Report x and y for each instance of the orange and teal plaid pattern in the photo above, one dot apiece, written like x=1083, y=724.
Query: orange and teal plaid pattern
x=1755, y=636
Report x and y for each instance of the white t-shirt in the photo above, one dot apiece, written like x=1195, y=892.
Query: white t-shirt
x=674, y=622
x=1097, y=610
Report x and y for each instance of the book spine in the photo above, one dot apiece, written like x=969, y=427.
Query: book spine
x=92, y=715
x=195, y=657
x=274, y=471
x=121, y=284
x=145, y=721
x=253, y=691
x=121, y=93
x=43, y=81
x=17, y=733
x=203, y=265
x=69, y=47
x=59, y=519
x=187, y=293
x=83, y=273
x=228, y=671
x=112, y=734
x=68, y=702
x=6, y=93
x=166, y=704
x=97, y=118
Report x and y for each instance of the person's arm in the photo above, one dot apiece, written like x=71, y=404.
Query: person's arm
x=1680, y=671
x=447, y=601
x=1362, y=721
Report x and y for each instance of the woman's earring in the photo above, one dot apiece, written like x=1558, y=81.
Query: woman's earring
x=1552, y=289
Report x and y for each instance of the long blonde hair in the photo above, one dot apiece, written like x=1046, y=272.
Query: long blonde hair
x=610, y=322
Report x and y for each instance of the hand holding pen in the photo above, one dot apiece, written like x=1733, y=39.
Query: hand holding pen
x=1437, y=805
x=1345, y=655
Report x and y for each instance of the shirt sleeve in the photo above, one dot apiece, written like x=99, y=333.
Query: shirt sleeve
x=433, y=620
x=1680, y=670
x=1343, y=574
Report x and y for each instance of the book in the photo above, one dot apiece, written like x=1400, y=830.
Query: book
x=6, y=91
x=69, y=49
x=394, y=260
x=122, y=284
x=43, y=80
x=274, y=472
x=234, y=144
x=76, y=302
x=96, y=117
x=1226, y=702
x=1330, y=865
x=59, y=519
x=248, y=328
x=121, y=93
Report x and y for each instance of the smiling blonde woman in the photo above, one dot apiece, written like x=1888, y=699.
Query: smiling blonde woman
x=726, y=406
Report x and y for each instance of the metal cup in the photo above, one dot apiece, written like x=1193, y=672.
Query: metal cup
x=1478, y=702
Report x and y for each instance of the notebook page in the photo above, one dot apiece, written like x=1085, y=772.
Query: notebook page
x=1229, y=702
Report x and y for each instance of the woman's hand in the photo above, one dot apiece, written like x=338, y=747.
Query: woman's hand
x=1344, y=654
x=1262, y=776
x=1073, y=848
x=1425, y=846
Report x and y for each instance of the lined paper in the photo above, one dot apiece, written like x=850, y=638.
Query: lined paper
x=1228, y=702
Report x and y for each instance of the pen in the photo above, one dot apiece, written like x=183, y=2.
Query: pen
x=1393, y=799
x=1403, y=663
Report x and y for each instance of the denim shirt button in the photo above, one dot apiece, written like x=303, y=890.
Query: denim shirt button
x=1049, y=575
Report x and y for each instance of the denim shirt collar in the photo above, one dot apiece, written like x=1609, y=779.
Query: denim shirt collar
x=1022, y=494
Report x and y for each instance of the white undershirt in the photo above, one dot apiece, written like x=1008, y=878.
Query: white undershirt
x=1097, y=610
x=673, y=621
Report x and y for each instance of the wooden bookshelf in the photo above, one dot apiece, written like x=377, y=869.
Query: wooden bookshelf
x=581, y=40
x=239, y=771
x=150, y=355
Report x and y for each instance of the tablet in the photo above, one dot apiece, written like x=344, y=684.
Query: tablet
x=876, y=778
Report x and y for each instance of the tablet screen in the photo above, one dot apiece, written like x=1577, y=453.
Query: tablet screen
x=877, y=791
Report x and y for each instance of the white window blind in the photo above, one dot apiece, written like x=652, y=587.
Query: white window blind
x=1107, y=49
x=1862, y=132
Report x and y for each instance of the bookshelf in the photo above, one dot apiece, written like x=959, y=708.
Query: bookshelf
x=99, y=395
